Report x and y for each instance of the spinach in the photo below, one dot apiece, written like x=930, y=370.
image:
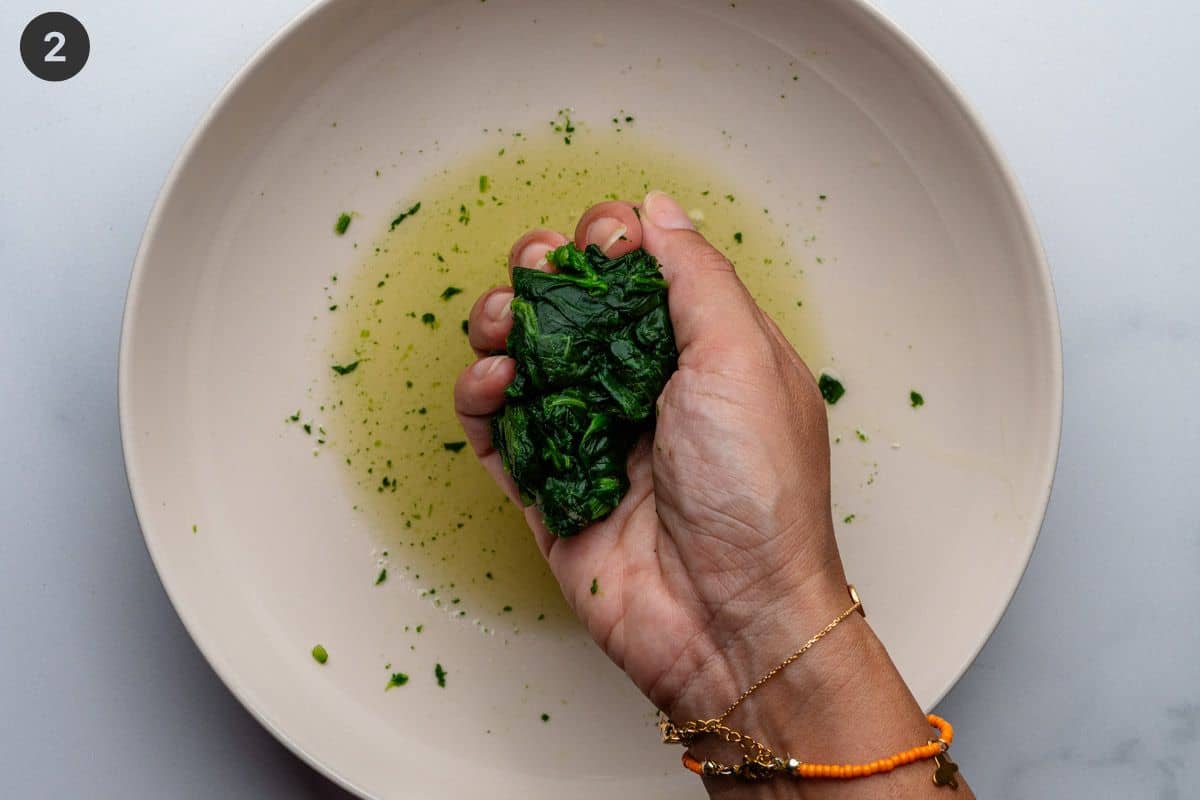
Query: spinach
x=593, y=347
x=405, y=215
x=831, y=388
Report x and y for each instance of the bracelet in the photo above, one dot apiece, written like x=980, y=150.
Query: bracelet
x=766, y=765
x=760, y=762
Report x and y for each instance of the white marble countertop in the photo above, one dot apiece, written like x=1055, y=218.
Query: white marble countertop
x=1089, y=687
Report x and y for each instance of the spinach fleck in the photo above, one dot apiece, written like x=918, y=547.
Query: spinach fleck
x=405, y=215
x=831, y=388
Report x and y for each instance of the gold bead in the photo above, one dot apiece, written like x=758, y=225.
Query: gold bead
x=854, y=598
x=793, y=766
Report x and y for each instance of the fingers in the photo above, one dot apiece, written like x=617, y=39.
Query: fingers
x=530, y=250
x=490, y=321
x=491, y=317
x=710, y=307
x=478, y=394
x=613, y=227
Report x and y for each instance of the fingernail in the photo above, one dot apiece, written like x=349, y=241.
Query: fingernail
x=664, y=212
x=534, y=255
x=486, y=366
x=605, y=232
x=498, y=306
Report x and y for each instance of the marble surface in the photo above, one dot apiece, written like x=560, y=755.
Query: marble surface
x=1089, y=687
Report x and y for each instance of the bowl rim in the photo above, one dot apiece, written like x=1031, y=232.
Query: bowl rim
x=248, y=71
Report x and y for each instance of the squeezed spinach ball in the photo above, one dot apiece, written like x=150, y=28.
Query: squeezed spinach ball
x=594, y=347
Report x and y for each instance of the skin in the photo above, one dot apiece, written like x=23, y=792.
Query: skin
x=721, y=559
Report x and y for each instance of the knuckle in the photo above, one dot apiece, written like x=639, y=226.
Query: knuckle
x=706, y=258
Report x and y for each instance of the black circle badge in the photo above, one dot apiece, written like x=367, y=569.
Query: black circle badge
x=55, y=46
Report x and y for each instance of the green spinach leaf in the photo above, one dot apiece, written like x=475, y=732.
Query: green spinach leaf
x=593, y=346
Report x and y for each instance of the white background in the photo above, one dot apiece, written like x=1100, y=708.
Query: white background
x=1089, y=688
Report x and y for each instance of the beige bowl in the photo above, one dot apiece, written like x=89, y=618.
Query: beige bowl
x=941, y=283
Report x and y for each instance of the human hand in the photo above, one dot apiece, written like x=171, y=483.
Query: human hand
x=725, y=536
x=721, y=558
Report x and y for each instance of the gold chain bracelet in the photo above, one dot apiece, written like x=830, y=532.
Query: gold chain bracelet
x=760, y=762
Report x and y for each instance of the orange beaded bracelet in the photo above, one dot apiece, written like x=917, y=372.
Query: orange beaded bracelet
x=944, y=773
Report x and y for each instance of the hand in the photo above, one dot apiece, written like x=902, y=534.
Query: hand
x=726, y=535
x=721, y=559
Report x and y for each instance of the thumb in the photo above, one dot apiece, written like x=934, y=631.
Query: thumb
x=710, y=306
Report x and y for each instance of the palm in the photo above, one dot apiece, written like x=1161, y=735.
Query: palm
x=675, y=554
x=728, y=506
x=630, y=562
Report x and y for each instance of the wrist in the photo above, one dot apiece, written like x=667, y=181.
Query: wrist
x=842, y=701
x=743, y=641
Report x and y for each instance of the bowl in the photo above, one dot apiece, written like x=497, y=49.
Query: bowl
x=916, y=267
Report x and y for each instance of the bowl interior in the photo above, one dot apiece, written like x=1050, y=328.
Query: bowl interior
x=931, y=278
